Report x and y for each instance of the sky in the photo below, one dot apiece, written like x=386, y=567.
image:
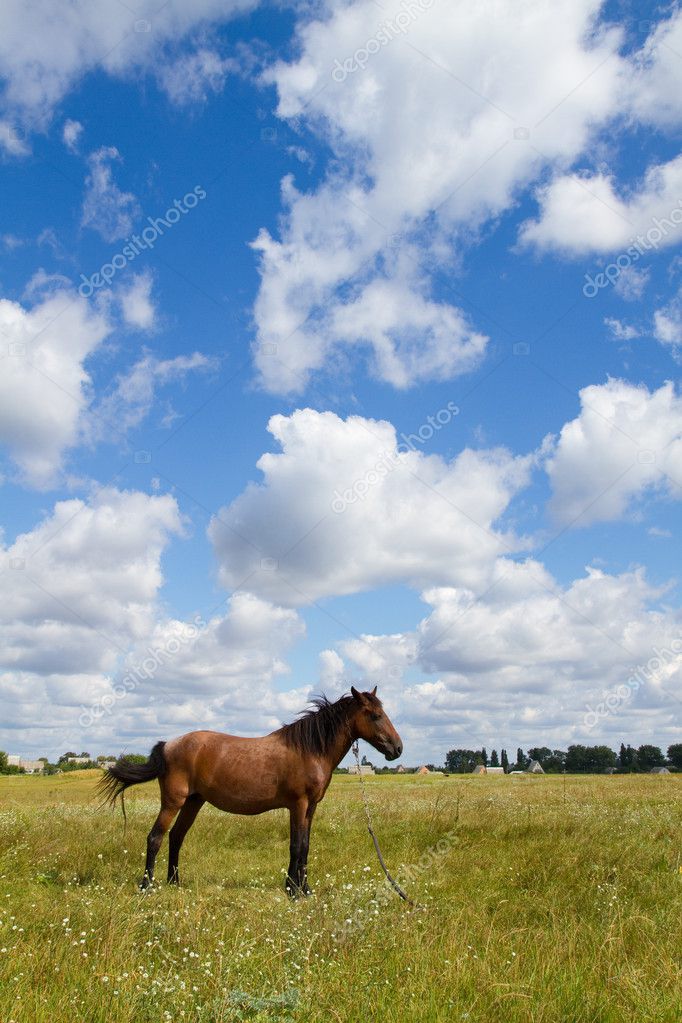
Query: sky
x=340, y=344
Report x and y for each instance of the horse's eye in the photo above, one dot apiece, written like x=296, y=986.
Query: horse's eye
x=375, y=717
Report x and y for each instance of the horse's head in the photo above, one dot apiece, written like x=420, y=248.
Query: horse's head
x=372, y=723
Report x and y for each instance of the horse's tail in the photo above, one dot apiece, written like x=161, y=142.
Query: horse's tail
x=124, y=774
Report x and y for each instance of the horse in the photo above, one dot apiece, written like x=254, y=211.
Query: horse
x=291, y=767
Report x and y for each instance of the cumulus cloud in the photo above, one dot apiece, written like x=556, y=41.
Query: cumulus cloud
x=81, y=619
x=44, y=384
x=106, y=209
x=626, y=441
x=346, y=507
x=45, y=51
x=656, y=80
x=462, y=162
x=526, y=659
x=585, y=214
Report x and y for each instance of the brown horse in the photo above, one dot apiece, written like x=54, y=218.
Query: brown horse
x=291, y=768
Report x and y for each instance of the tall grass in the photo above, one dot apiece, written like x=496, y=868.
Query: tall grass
x=558, y=901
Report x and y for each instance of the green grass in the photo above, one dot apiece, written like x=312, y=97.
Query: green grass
x=557, y=902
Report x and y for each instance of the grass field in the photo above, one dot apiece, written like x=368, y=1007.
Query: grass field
x=556, y=901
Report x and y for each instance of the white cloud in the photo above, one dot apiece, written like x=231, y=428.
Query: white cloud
x=585, y=214
x=106, y=209
x=631, y=283
x=421, y=519
x=657, y=79
x=78, y=590
x=46, y=50
x=547, y=655
x=331, y=670
x=192, y=77
x=81, y=614
x=668, y=325
x=71, y=133
x=465, y=78
x=136, y=302
x=621, y=331
x=129, y=401
x=43, y=383
x=627, y=441
x=10, y=141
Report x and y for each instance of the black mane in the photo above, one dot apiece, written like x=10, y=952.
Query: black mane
x=316, y=729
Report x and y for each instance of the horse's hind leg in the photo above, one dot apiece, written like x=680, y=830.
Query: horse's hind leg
x=169, y=808
x=186, y=819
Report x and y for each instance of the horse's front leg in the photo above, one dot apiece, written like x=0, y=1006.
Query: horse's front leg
x=300, y=819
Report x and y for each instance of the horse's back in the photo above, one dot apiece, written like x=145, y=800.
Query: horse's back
x=234, y=773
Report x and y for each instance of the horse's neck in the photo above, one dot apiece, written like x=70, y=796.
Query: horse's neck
x=341, y=745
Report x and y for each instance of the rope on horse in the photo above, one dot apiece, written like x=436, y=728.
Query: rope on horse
x=394, y=884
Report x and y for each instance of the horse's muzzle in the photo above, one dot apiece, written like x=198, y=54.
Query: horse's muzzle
x=393, y=750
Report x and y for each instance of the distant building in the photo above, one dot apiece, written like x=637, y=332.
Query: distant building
x=363, y=769
x=29, y=766
x=400, y=769
x=534, y=768
x=659, y=770
x=482, y=769
x=78, y=760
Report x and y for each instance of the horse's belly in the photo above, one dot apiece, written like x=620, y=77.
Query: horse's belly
x=247, y=796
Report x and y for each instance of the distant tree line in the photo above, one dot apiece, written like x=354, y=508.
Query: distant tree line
x=577, y=759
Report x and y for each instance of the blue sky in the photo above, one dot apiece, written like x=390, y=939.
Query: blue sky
x=409, y=236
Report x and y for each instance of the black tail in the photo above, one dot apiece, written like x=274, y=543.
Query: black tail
x=124, y=774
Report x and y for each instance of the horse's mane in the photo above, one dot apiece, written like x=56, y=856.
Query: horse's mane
x=316, y=729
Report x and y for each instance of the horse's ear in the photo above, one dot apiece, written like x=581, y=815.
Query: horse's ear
x=374, y=692
x=356, y=694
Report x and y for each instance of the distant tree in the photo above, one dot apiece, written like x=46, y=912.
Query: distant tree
x=556, y=763
x=495, y=760
x=589, y=759
x=84, y=755
x=504, y=760
x=540, y=753
x=521, y=759
x=627, y=758
x=675, y=755
x=461, y=761
x=3, y=762
x=650, y=756
x=484, y=757
x=66, y=756
x=140, y=758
